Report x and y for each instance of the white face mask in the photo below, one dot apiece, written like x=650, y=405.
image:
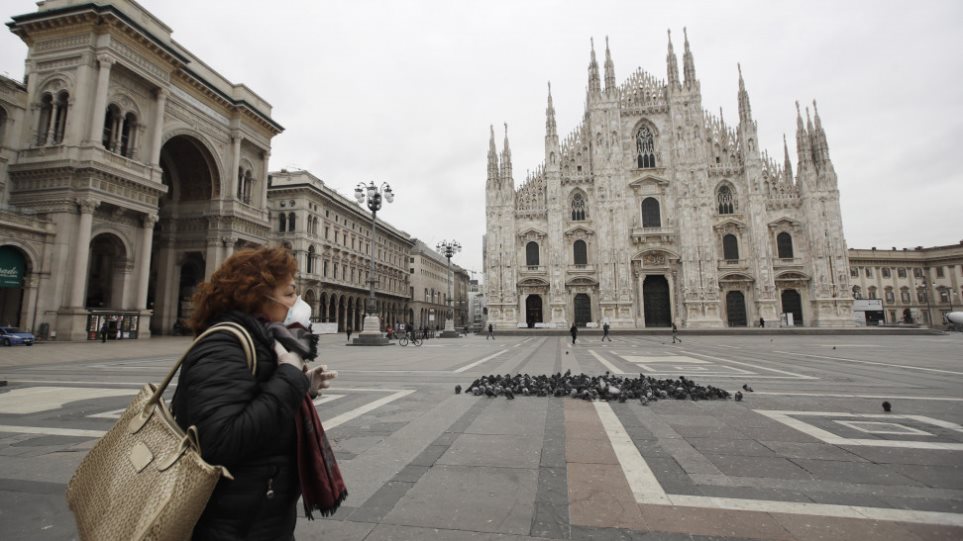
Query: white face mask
x=299, y=313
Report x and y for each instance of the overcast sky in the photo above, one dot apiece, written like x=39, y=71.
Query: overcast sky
x=404, y=91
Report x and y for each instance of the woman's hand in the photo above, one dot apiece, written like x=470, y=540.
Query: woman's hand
x=320, y=378
x=288, y=357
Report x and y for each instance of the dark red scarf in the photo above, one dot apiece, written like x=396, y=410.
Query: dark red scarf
x=322, y=487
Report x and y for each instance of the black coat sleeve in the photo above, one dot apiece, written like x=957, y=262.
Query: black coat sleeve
x=237, y=417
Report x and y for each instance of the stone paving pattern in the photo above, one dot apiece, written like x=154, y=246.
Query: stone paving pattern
x=434, y=465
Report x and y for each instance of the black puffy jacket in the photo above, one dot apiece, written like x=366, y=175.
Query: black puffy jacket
x=247, y=425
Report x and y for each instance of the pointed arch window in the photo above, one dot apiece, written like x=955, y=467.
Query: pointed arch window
x=730, y=248
x=651, y=214
x=531, y=254
x=645, y=148
x=580, y=253
x=290, y=221
x=578, y=207
x=784, y=246
x=726, y=201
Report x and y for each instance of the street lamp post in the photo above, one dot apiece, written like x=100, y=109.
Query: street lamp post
x=371, y=332
x=448, y=248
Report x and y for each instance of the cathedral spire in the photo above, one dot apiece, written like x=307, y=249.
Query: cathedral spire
x=594, y=83
x=688, y=65
x=492, y=156
x=745, y=111
x=609, y=69
x=507, y=160
x=786, y=163
x=821, y=146
x=804, y=154
x=551, y=129
x=672, y=65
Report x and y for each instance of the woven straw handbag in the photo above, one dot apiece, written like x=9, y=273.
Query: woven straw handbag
x=145, y=478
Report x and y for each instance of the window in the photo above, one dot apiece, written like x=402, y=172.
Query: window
x=854, y=272
x=579, y=253
x=324, y=268
x=871, y=290
x=645, y=148
x=784, y=246
x=127, y=134
x=3, y=123
x=578, y=207
x=290, y=221
x=904, y=295
x=46, y=113
x=939, y=272
x=857, y=293
x=890, y=296
x=651, y=216
x=921, y=294
x=901, y=272
x=311, y=260
x=531, y=254
x=886, y=272
x=944, y=295
x=917, y=272
x=869, y=272
x=282, y=222
x=730, y=248
x=111, y=118
x=726, y=201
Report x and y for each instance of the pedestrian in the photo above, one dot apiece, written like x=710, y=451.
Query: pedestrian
x=491, y=332
x=424, y=332
x=574, y=331
x=103, y=332
x=252, y=424
x=675, y=332
x=347, y=330
x=762, y=322
x=605, y=332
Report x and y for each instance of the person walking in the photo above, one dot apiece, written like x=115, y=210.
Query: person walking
x=252, y=424
x=491, y=332
x=103, y=332
x=675, y=332
x=574, y=332
x=347, y=331
x=762, y=322
x=605, y=332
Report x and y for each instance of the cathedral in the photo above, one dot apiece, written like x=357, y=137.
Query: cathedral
x=653, y=212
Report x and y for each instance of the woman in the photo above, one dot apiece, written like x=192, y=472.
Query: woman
x=247, y=423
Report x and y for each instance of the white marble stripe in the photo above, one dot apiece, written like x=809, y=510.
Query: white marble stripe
x=875, y=396
x=612, y=368
x=645, y=487
x=52, y=431
x=872, y=362
x=359, y=411
x=820, y=509
x=476, y=363
x=776, y=370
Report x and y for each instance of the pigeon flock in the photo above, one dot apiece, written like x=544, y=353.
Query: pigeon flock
x=605, y=387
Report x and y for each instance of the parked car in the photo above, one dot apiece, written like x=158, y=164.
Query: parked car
x=11, y=336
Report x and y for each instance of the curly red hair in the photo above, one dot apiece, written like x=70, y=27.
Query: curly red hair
x=242, y=283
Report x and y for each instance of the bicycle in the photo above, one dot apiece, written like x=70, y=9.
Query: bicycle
x=403, y=341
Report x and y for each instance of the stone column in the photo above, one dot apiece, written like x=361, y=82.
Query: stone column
x=235, y=177
x=100, y=98
x=143, y=261
x=155, y=142
x=641, y=276
x=82, y=251
x=670, y=277
x=212, y=258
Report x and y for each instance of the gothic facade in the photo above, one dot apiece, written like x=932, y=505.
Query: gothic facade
x=129, y=171
x=653, y=211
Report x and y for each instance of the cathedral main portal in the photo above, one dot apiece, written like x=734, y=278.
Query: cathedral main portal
x=655, y=302
x=533, y=310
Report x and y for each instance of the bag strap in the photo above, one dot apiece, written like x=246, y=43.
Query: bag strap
x=247, y=344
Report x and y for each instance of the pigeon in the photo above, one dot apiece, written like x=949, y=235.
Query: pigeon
x=457, y=389
x=887, y=407
x=738, y=396
x=509, y=395
x=747, y=388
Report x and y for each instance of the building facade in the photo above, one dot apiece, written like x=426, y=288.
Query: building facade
x=129, y=171
x=430, y=286
x=912, y=286
x=653, y=211
x=330, y=236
